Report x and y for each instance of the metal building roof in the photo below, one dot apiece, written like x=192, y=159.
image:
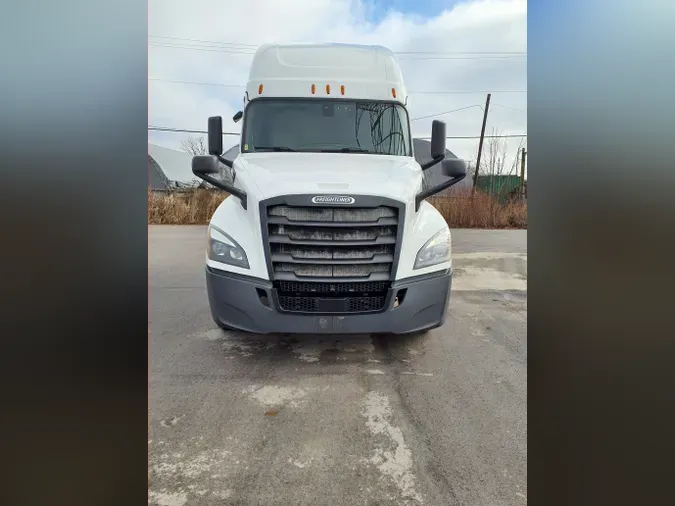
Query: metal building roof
x=157, y=181
x=175, y=165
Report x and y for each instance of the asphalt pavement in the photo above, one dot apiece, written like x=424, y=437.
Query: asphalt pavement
x=435, y=419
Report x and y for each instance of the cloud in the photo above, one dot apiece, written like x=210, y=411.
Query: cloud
x=473, y=26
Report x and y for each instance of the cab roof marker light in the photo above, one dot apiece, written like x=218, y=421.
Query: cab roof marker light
x=260, y=89
x=313, y=89
x=393, y=92
x=342, y=89
x=328, y=89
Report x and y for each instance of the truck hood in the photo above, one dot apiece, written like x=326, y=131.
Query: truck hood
x=276, y=174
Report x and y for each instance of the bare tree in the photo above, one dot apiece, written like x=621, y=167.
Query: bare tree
x=496, y=157
x=515, y=165
x=195, y=145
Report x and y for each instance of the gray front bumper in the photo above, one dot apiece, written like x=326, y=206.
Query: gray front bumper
x=236, y=302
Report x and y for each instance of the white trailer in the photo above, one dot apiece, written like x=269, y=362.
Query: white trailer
x=326, y=229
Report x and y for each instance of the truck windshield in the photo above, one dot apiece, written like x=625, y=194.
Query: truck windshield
x=333, y=126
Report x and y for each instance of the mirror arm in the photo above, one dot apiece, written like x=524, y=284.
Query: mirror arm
x=433, y=162
x=229, y=164
x=225, y=162
x=436, y=189
x=240, y=194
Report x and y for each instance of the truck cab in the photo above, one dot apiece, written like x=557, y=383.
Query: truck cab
x=326, y=229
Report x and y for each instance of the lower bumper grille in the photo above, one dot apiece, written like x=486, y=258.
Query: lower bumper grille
x=304, y=304
x=365, y=287
x=365, y=304
x=328, y=298
x=299, y=304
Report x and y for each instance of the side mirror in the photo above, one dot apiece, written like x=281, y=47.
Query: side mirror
x=215, y=135
x=205, y=164
x=453, y=167
x=237, y=116
x=437, y=139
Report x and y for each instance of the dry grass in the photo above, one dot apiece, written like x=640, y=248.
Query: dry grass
x=196, y=207
x=481, y=211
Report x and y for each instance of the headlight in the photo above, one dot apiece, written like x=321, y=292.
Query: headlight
x=222, y=248
x=436, y=250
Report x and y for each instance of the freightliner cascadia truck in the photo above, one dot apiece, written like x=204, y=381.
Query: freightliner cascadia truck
x=326, y=228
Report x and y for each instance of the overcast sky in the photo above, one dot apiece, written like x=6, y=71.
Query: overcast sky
x=212, y=41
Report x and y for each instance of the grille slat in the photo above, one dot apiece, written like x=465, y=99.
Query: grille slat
x=309, y=253
x=290, y=276
x=329, y=270
x=375, y=259
x=330, y=214
x=331, y=259
x=284, y=239
x=333, y=235
x=282, y=220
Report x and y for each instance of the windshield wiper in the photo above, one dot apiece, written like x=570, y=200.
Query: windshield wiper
x=274, y=148
x=346, y=150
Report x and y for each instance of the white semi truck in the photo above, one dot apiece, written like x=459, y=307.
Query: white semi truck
x=326, y=229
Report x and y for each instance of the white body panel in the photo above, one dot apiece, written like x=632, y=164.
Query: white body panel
x=367, y=72
x=265, y=175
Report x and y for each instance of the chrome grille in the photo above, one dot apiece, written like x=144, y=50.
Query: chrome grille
x=332, y=242
x=325, y=259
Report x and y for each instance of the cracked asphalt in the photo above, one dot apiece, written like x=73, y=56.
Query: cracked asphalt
x=435, y=419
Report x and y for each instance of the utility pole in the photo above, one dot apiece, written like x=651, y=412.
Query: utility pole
x=480, y=143
x=522, y=173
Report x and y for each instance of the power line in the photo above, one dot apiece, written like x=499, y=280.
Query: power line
x=447, y=112
x=409, y=57
x=496, y=57
x=471, y=92
x=206, y=41
x=183, y=130
x=255, y=46
x=197, y=48
x=439, y=92
x=510, y=108
x=197, y=83
x=502, y=136
x=463, y=52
